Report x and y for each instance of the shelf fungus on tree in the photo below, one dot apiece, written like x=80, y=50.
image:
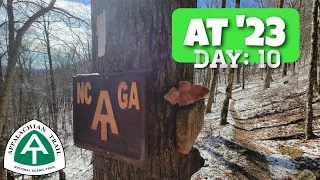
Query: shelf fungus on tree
x=186, y=94
x=189, y=124
x=190, y=115
x=172, y=96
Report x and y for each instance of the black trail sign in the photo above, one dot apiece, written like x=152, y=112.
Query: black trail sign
x=109, y=115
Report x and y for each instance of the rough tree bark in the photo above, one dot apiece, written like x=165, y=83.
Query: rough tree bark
x=317, y=72
x=316, y=85
x=1, y=55
x=243, y=76
x=285, y=69
x=225, y=105
x=314, y=50
x=268, y=78
x=319, y=83
x=239, y=73
x=212, y=89
x=138, y=36
x=208, y=77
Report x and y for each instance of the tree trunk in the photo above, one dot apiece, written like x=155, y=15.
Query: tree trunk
x=268, y=78
x=215, y=78
x=48, y=112
x=10, y=175
x=269, y=71
x=223, y=4
x=138, y=36
x=285, y=65
x=314, y=50
x=1, y=76
x=285, y=69
x=31, y=97
x=225, y=105
x=239, y=73
x=1, y=71
x=208, y=77
x=62, y=175
x=237, y=4
x=319, y=83
x=53, y=88
x=21, y=102
x=12, y=54
x=316, y=87
x=212, y=89
x=243, y=76
x=52, y=82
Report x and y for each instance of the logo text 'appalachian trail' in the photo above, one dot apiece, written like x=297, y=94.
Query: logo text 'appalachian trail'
x=34, y=149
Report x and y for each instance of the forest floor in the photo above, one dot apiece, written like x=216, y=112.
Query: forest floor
x=78, y=160
x=264, y=138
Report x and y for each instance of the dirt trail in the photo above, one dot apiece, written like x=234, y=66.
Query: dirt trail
x=250, y=164
x=258, y=165
x=226, y=159
x=286, y=123
x=241, y=150
x=246, y=138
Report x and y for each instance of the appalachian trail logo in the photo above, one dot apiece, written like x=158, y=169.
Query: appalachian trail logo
x=34, y=149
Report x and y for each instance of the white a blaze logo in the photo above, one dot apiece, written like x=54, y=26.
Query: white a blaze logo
x=34, y=149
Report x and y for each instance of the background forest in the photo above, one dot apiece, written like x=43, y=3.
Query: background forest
x=257, y=120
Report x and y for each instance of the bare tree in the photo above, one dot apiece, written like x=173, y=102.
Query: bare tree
x=215, y=77
x=208, y=77
x=314, y=50
x=239, y=73
x=225, y=106
x=15, y=39
x=53, y=106
x=214, y=83
x=269, y=71
x=13, y=52
x=243, y=76
x=268, y=78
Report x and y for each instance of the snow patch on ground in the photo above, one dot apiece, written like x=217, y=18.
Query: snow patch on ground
x=280, y=166
x=78, y=164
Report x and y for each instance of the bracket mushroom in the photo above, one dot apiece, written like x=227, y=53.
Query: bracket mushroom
x=190, y=114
